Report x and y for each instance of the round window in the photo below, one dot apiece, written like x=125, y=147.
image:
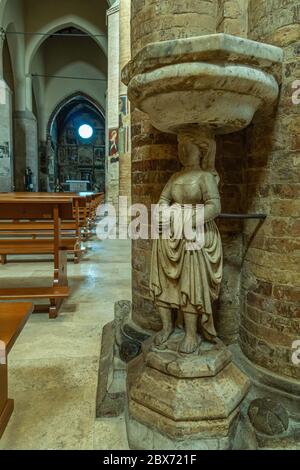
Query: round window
x=86, y=131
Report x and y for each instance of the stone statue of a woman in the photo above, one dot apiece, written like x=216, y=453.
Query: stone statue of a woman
x=184, y=279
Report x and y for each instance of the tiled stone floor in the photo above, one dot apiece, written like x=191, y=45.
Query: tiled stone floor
x=54, y=365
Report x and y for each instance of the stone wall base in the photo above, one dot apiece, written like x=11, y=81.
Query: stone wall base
x=271, y=411
x=121, y=342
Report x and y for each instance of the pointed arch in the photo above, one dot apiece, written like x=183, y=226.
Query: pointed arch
x=67, y=100
x=61, y=23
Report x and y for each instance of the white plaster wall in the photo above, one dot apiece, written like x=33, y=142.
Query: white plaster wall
x=13, y=21
x=40, y=13
x=66, y=57
x=39, y=90
x=58, y=14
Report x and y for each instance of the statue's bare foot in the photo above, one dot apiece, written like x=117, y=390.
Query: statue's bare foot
x=163, y=336
x=189, y=344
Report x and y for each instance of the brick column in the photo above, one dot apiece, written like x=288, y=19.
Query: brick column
x=233, y=17
x=270, y=322
x=154, y=21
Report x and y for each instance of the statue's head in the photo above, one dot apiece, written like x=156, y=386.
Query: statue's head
x=189, y=153
x=197, y=148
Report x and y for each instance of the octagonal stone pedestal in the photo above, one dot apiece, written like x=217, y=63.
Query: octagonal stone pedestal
x=178, y=402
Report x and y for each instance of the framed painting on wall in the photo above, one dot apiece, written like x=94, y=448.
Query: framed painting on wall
x=100, y=137
x=5, y=164
x=72, y=152
x=85, y=155
x=68, y=155
x=99, y=157
x=62, y=156
x=113, y=142
x=100, y=180
x=64, y=174
x=71, y=136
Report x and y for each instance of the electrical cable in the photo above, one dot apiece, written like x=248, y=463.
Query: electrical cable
x=33, y=75
x=27, y=33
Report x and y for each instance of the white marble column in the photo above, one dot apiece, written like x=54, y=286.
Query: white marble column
x=125, y=118
x=6, y=161
x=25, y=148
x=112, y=117
x=26, y=140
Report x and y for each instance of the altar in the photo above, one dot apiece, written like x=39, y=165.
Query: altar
x=77, y=186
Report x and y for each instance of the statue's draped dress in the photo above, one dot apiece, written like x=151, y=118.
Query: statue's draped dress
x=185, y=279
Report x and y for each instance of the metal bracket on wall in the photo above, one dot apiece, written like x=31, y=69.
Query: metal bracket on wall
x=243, y=216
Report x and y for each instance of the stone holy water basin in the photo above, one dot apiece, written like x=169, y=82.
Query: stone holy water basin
x=217, y=81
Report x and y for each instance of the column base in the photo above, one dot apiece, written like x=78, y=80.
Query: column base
x=271, y=409
x=176, y=401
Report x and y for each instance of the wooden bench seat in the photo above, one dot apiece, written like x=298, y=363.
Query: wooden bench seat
x=40, y=246
x=25, y=293
x=37, y=246
x=38, y=236
x=45, y=223
x=84, y=207
x=56, y=295
x=13, y=317
x=51, y=211
x=39, y=226
x=34, y=246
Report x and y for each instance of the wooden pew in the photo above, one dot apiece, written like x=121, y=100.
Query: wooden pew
x=13, y=317
x=81, y=208
x=32, y=235
x=97, y=200
x=85, y=206
x=70, y=229
x=47, y=209
x=73, y=232
x=88, y=211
